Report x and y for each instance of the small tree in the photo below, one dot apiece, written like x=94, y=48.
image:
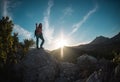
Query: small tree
x=6, y=41
x=11, y=50
x=25, y=47
x=116, y=58
x=10, y=45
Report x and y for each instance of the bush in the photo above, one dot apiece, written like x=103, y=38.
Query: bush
x=116, y=58
x=11, y=50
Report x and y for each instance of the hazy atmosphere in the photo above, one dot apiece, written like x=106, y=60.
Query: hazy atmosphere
x=77, y=21
x=59, y=40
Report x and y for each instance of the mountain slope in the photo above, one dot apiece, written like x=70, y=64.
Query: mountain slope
x=100, y=47
x=100, y=39
x=116, y=38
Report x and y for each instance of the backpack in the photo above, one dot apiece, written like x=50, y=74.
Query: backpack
x=38, y=30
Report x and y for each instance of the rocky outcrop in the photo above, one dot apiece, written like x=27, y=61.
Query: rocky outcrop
x=117, y=73
x=39, y=66
x=107, y=68
x=95, y=77
x=68, y=72
x=87, y=65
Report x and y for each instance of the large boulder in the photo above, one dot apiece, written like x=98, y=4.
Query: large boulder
x=68, y=72
x=107, y=68
x=39, y=66
x=117, y=73
x=86, y=61
x=95, y=77
x=87, y=65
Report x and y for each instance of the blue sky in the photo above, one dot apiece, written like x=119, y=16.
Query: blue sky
x=79, y=21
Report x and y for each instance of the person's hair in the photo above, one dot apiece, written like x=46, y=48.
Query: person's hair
x=40, y=25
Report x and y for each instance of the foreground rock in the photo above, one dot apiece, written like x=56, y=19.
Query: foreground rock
x=117, y=73
x=87, y=65
x=67, y=73
x=39, y=66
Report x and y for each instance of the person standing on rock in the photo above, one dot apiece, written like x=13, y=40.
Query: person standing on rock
x=39, y=34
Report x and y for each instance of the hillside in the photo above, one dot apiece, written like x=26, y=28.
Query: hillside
x=40, y=66
x=100, y=47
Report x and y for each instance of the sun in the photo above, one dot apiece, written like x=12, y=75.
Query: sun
x=62, y=43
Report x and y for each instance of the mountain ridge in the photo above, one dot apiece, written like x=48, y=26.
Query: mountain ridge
x=100, y=39
x=99, y=47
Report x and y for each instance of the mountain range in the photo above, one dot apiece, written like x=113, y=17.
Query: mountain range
x=100, y=47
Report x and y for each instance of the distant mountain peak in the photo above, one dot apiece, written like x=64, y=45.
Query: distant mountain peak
x=99, y=39
x=116, y=37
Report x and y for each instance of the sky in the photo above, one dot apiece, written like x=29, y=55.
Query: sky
x=75, y=21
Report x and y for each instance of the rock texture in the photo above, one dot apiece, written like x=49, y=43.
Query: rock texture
x=117, y=73
x=39, y=66
x=68, y=72
x=87, y=65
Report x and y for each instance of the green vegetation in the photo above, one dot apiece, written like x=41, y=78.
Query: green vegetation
x=116, y=58
x=11, y=50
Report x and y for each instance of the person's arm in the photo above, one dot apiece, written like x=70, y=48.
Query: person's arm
x=35, y=33
x=35, y=30
x=36, y=25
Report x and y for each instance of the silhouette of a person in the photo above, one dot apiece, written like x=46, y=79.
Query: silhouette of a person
x=39, y=34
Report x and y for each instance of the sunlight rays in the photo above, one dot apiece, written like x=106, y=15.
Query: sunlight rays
x=61, y=42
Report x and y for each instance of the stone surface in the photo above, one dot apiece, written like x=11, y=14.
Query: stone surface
x=68, y=71
x=87, y=65
x=117, y=73
x=39, y=66
x=85, y=61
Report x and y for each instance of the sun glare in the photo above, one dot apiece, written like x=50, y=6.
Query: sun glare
x=61, y=42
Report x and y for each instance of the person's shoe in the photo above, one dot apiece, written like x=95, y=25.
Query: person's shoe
x=37, y=47
x=41, y=48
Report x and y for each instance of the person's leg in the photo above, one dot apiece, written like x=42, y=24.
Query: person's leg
x=41, y=37
x=37, y=41
x=42, y=42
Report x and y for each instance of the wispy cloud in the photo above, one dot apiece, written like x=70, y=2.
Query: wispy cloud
x=50, y=39
x=6, y=8
x=48, y=32
x=68, y=11
x=22, y=32
x=7, y=5
x=80, y=23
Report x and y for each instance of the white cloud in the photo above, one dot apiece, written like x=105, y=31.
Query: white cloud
x=22, y=32
x=50, y=39
x=6, y=8
x=80, y=23
x=48, y=32
x=7, y=5
x=68, y=11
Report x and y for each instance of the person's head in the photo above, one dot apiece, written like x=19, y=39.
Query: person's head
x=40, y=25
x=36, y=24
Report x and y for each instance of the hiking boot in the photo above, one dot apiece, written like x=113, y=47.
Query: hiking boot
x=41, y=48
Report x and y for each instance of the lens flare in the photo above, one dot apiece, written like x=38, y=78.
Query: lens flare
x=61, y=42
